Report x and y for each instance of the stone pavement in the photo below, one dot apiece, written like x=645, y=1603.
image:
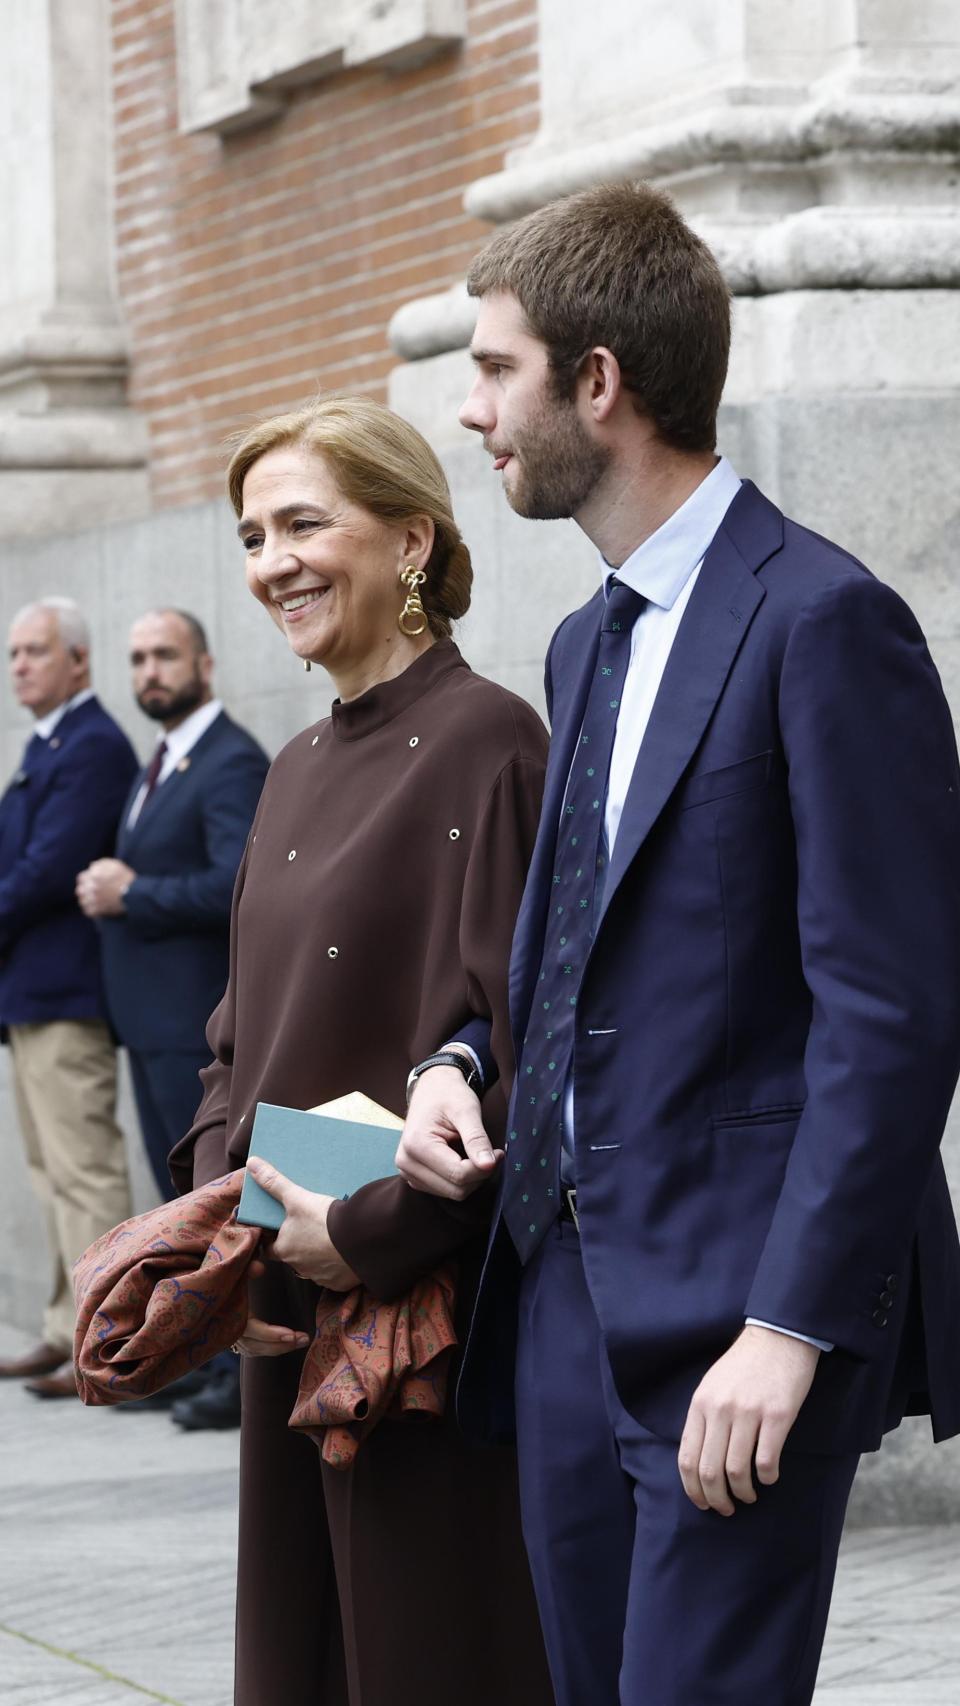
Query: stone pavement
x=117, y=1540
x=117, y=1537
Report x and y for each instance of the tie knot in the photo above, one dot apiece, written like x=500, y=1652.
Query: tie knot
x=623, y=606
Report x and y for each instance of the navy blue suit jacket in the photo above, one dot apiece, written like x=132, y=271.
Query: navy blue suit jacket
x=768, y=1030
x=60, y=811
x=166, y=958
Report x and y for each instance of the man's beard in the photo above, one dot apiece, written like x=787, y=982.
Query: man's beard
x=176, y=706
x=558, y=464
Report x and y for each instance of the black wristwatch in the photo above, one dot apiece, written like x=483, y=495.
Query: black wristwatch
x=447, y=1057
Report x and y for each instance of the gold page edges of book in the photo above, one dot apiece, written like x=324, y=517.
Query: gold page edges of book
x=359, y=1110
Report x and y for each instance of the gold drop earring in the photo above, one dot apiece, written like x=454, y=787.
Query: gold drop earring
x=412, y=619
x=307, y=665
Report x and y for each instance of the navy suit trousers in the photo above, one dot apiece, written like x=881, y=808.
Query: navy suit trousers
x=167, y=1090
x=645, y=1600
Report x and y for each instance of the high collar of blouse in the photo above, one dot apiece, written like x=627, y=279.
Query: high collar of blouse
x=388, y=699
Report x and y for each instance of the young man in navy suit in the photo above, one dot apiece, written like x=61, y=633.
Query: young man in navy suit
x=724, y=1250
x=60, y=811
x=164, y=901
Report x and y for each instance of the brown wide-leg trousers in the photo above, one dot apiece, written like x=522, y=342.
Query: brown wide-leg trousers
x=402, y=1581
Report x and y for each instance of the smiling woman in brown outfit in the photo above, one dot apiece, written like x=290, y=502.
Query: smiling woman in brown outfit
x=373, y=914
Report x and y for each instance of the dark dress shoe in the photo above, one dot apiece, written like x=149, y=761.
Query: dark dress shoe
x=61, y=1384
x=43, y=1359
x=217, y=1406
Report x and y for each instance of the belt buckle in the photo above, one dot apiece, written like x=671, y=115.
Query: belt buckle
x=570, y=1198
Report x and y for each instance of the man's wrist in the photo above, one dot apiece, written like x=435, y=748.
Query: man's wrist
x=789, y=1333
x=468, y=1054
x=461, y=1060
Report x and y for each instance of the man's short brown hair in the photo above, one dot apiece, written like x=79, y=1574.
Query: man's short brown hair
x=618, y=266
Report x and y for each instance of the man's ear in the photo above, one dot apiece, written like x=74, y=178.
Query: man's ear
x=600, y=382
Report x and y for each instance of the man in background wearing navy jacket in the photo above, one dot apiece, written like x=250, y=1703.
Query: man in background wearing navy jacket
x=60, y=811
x=164, y=906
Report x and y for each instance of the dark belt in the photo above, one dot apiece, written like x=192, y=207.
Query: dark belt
x=568, y=1205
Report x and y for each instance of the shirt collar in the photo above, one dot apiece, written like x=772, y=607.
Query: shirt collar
x=660, y=568
x=186, y=734
x=44, y=726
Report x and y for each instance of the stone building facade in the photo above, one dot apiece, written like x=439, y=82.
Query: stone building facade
x=226, y=200
x=215, y=206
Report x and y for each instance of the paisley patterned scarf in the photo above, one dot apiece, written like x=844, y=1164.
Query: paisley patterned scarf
x=167, y=1290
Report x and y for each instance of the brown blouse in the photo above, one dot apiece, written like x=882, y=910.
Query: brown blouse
x=372, y=918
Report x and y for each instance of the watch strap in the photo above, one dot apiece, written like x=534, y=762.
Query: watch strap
x=447, y=1057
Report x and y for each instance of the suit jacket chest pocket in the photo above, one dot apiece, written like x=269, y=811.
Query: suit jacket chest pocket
x=741, y=812
x=740, y=820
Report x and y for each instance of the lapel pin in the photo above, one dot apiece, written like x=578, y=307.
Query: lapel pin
x=183, y=765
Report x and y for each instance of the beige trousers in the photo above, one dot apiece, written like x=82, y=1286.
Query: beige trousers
x=65, y=1080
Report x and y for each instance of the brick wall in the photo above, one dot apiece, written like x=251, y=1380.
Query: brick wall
x=252, y=269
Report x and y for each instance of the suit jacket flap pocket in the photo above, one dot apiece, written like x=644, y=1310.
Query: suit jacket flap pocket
x=730, y=779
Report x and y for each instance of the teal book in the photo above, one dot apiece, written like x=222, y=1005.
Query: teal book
x=333, y=1150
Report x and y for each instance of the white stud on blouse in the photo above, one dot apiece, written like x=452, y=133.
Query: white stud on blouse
x=454, y=835
x=292, y=853
x=332, y=953
x=314, y=740
x=414, y=740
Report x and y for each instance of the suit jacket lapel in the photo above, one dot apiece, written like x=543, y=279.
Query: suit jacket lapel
x=714, y=625
x=177, y=775
x=125, y=835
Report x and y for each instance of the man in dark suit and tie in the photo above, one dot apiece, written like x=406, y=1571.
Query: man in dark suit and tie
x=724, y=1260
x=164, y=899
x=60, y=811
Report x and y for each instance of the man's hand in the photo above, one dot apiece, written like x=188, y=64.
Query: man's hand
x=100, y=888
x=742, y=1412
x=444, y=1111
x=303, y=1241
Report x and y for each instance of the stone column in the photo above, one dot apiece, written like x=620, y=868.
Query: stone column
x=816, y=148
x=71, y=452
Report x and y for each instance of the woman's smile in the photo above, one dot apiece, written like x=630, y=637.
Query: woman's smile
x=295, y=605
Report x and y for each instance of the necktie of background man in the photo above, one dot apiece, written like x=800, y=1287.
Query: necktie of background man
x=152, y=774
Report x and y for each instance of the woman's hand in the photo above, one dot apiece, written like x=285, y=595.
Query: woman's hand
x=303, y=1241
x=261, y=1339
